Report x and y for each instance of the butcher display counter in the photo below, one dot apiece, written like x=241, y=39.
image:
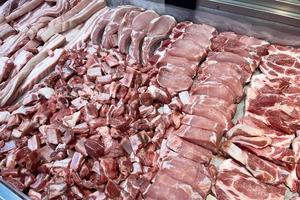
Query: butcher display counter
x=155, y=100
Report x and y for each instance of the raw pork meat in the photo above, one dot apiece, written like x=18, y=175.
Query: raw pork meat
x=125, y=29
x=140, y=27
x=263, y=170
x=282, y=62
x=235, y=183
x=159, y=29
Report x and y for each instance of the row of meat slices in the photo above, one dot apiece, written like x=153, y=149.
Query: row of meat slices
x=133, y=31
x=266, y=140
x=208, y=112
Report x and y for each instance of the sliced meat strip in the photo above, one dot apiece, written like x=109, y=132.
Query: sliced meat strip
x=42, y=17
x=97, y=32
x=231, y=42
x=233, y=183
x=205, y=138
x=9, y=91
x=188, y=66
x=201, y=122
x=281, y=62
x=159, y=29
x=214, y=89
x=125, y=30
x=109, y=38
x=176, y=167
x=277, y=155
x=173, y=189
x=204, y=100
x=188, y=150
x=85, y=32
x=201, y=34
x=13, y=43
x=263, y=170
x=6, y=30
x=242, y=64
x=78, y=14
x=7, y=7
x=279, y=139
x=173, y=79
x=6, y=66
x=234, y=84
x=23, y=9
x=224, y=68
x=211, y=113
x=187, y=49
x=40, y=71
x=140, y=26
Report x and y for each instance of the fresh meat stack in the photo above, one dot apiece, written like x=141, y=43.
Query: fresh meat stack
x=29, y=35
x=178, y=59
x=264, y=140
x=110, y=103
x=207, y=114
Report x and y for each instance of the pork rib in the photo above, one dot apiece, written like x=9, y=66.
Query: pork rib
x=159, y=29
x=140, y=26
x=125, y=30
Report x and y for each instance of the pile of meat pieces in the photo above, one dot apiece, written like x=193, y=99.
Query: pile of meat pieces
x=266, y=139
x=207, y=111
x=86, y=131
x=29, y=29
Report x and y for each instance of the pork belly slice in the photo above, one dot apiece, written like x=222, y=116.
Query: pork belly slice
x=279, y=139
x=12, y=44
x=9, y=91
x=188, y=150
x=6, y=30
x=43, y=16
x=109, y=39
x=125, y=30
x=86, y=30
x=173, y=79
x=210, y=112
x=281, y=62
x=214, y=89
x=197, y=176
x=263, y=170
x=205, y=138
x=78, y=14
x=202, y=122
x=6, y=66
x=159, y=29
x=98, y=29
x=165, y=187
x=7, y=7
x=40, y=71
x=23, y=9
x=234, y=183
x=140, y=26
